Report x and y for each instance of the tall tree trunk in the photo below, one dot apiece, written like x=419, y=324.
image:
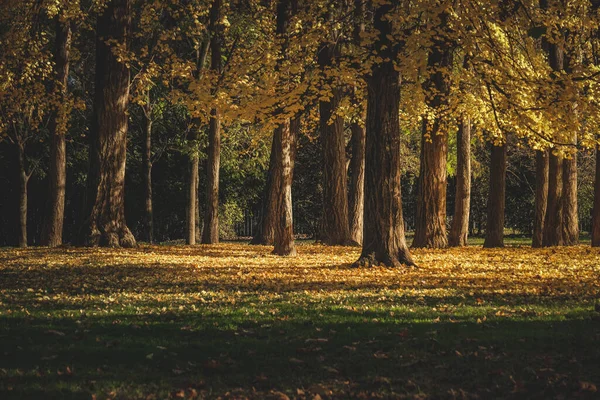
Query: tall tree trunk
x=148, y=217
x=357, y=182
x=494, y=232
x=570, y=216
x=210, y=232
x=596, y=209
x=105, y=224
x=553, y=232
x=284, y=140
x=193, y=183
x=265, y=228
x=23, y=181
x=541, y=196
x=553, y=222
x=198, y=220
x=383, y=236
x=356, y=203
x=430, y=224
x=57, y=175
x=460, y=222
x=284, y=145
x=336, y=229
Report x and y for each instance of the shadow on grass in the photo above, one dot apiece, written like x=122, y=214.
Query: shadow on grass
x=326, y=352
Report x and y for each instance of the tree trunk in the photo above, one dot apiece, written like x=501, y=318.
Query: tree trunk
x=596, y=209
x=148, y=219
x=430, y=224
x=192, y=206
x=210, y=232
x=105, y=224
x=570, y=216
x=336, y=229
x=460, y=222
x=198, y=220
x=57, y=175
x=23, y=181
x=383, y=236
x=541, y=196
x=494, y=232
x=265, y=228
x=553, y=232
x=357, y=183
x=284, y=140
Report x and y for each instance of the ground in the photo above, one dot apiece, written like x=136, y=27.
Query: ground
x=233, y=321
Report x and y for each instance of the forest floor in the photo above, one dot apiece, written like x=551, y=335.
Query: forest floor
x=233, y=321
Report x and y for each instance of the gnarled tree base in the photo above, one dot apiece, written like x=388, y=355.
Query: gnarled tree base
x=110, y=236
x=285, y=251
x=388, y=260
x=435, y=241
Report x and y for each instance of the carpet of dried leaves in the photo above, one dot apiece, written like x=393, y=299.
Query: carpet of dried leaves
x=234, y=321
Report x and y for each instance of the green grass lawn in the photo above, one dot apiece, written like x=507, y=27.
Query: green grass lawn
x=232, y=321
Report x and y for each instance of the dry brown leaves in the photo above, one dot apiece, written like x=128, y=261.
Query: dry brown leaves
x=204, y=273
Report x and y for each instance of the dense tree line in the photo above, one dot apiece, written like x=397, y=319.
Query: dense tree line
x=351, y=121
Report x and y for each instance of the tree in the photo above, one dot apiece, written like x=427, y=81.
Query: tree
x=596, y=209
x=285, y=141
x=494, y=231
x=357, y=182
x=553, y=234
x=53, y=223
x=541, y=196
x=383, y=240
x=570, y=224
x=459, y=230
x=356, y=199
x=193, y=206
x=265, y=229
x=147, y=233
x=284, y=144
x=430, y=227
x=105, y=224
x=210, y=233
x=25, y=74
x=335, y=227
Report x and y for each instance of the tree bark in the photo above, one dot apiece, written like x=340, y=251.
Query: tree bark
x=596, y=209
x=383, y=236
x=23, y=181
x=553, y=232
x=570, y=215
x=148, y=217
x=265, y=229
x=193, y=183
x=105, y=224
x=541, y=196
x=357, y=183
x=430, y=224
x=52, y=229
x=494, y=232
x=335, y=229
x=210, y=232
x=193, y=206
x=284, y=140
x=284, y=145
x=459, y=231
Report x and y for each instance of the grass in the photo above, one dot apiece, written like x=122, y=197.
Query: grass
x=232, y=321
